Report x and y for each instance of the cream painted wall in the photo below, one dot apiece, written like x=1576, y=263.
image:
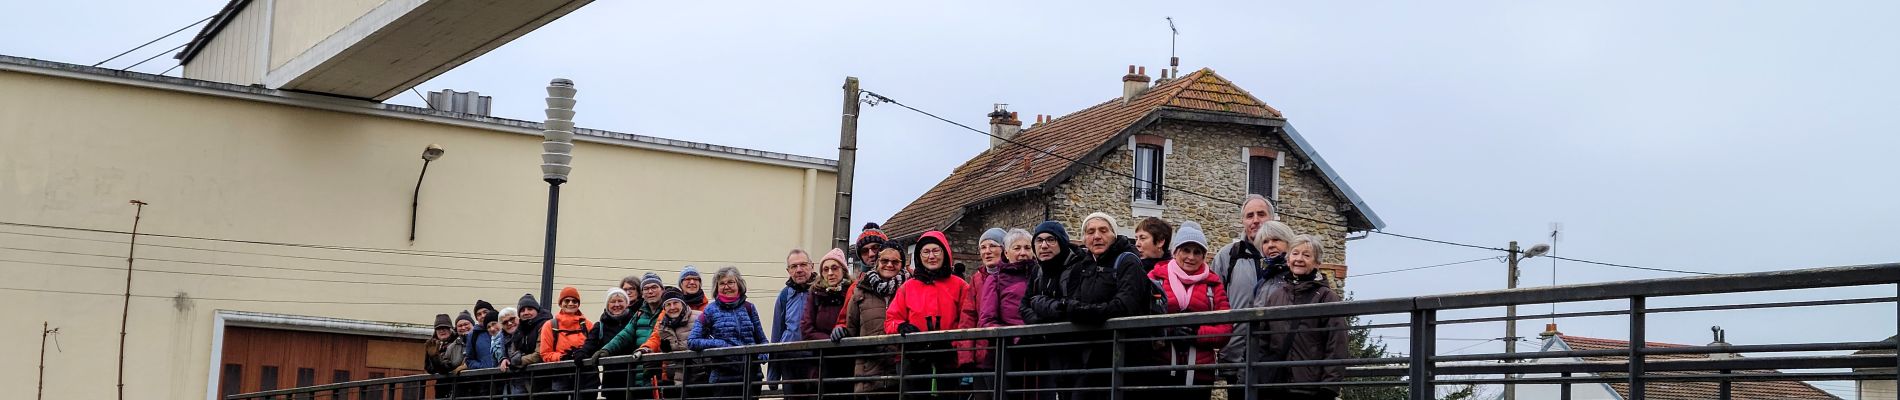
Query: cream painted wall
x=299, y=24
x=236, y=54
x=72, y=153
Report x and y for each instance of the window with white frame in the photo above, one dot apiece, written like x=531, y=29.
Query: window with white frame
x=1148, y=173
x=1260, y=174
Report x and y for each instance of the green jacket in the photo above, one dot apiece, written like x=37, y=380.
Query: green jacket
x=636, y=333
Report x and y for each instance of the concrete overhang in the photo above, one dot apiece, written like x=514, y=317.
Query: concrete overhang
x=402, y=43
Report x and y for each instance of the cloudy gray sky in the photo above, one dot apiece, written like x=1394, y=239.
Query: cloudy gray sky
x=1698, y=135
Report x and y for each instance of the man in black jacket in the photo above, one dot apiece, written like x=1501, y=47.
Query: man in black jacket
x=523, y=347
x=1100, y=280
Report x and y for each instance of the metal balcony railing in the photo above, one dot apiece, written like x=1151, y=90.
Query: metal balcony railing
x=1021, y=357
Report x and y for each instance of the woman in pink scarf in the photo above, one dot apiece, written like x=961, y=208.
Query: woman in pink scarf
x=1189, y=287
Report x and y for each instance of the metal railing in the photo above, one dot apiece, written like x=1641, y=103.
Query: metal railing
x=1035, y=361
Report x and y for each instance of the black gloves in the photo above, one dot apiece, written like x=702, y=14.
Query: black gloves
x=906, y=328
x=838, y=334
x=597, y=355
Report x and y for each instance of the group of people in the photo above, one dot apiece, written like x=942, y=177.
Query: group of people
x=1037, y=276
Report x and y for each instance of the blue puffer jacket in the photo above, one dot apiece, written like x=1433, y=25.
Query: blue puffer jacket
x=482, y=352
x=725, y=324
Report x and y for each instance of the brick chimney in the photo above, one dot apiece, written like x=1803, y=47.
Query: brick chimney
x=1133, y=83
x=1003, y=125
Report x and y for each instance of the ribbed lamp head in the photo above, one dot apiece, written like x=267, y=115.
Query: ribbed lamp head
x=557, y=148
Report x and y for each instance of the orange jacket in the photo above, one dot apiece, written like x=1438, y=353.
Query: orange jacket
x=565, y=331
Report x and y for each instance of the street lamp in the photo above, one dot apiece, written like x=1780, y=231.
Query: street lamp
x=1510, y=312
x=429, y=154
x=557, y=153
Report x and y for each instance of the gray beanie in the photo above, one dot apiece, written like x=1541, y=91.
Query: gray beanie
x=994, y=234
x=1190, y=232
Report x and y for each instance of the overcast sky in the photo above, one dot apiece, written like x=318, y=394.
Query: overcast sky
x=1709, y=136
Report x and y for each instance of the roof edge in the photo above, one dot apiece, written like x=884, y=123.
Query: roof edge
x=210, y=30
x=364, y=107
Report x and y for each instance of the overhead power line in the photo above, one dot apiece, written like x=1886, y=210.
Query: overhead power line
x=180, y=29
x=1424, y=267
x=886, y=99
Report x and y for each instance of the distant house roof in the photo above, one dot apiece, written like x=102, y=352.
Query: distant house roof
x=218, y=21
x=1011, y=170
x=250, y=93
x=1663, y=390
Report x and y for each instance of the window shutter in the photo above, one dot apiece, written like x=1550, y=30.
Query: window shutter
x=1260, y=176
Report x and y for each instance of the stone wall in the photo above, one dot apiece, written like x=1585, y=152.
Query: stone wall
x=1205, y=158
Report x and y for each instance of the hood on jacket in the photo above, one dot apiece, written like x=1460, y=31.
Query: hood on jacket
x=917, y=255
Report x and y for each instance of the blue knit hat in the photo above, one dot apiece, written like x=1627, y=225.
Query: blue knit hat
x=1053, y=228
x=689, y=271
x=653, y=279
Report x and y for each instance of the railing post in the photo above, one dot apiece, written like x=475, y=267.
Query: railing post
x=1637, y=342
x=820, y=375
x=1424, y=338
x=903, y=369
x=1000, y=386
x=1564, y=392
x=1246, y=367
x=1115, y=358
x=1723, y=390
x=745, y=376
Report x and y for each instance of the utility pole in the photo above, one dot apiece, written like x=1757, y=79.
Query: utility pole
x=125, y=310
x=46, y=329
x=1510, y=314
x=847, y=164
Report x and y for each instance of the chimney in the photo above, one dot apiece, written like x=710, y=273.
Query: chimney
x=1003, y=125
x=1721, y=340
x=462, y=102
x=1550, y=330
x=1133, y=83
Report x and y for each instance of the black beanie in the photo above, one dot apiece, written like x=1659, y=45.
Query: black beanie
x=527, y=301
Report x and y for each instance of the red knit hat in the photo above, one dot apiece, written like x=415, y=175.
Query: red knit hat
x=569, y=291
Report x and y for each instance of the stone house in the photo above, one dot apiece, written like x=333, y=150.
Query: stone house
x=1206, y=142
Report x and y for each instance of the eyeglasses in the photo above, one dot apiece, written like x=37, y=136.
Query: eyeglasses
x=1045, y=238
x=510, y=321
x=570, y=300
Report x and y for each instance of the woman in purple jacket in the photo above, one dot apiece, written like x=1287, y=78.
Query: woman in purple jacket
x=999, y=301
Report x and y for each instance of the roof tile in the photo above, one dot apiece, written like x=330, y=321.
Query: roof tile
x=1072, y=136
x=1763, y=390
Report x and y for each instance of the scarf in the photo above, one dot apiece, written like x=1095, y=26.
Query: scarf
x=881, y=286
x=697, y=298
x=675, y=322
x=1272, y=267
x=825, y=291
x=495, y=343
x=1179, y=281
x=933, y=275
x=798, y=286
x=724, y=300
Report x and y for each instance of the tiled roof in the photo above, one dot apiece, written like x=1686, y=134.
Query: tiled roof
x=1010, y=169
x=1764, y=390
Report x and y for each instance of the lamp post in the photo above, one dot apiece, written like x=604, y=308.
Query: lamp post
x=429, y=154
x=557, y=153
x=1510, y=311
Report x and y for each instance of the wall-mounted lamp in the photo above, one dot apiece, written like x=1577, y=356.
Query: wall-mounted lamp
x=429, y=154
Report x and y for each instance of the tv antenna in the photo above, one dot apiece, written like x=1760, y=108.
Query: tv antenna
x=1174, y=62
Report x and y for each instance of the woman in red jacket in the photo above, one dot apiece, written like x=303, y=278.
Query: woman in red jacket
x=1187, y=286
x=933, y=300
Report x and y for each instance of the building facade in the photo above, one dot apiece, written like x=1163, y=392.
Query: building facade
x=1183, y=149
x=274, y=215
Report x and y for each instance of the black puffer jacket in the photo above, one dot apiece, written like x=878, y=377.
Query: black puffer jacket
x=1112, y=286
x=1042, y=301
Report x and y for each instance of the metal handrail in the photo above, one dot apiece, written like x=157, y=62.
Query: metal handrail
x=1419, y=366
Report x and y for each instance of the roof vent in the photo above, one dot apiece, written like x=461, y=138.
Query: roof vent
x=473, y=103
